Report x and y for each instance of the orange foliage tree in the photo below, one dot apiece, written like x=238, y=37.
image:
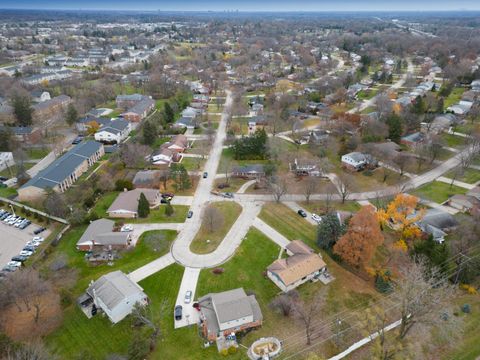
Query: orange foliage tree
x=93, y=127
x=357, y=246
x=401, y=213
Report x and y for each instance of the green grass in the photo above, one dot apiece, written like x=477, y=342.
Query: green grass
x=104, y=202
x=10, y=172
x=453, y=140
x=454, y=97
x=37, y=153
x=7, y=192
x=288, y=223
x=367, y=94
x=438, y=192
x=318, y=207
x=470, y=176
x=230, y=212
x=193, y=164
x=158, y=216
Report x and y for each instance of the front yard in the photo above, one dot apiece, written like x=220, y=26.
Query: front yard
x=437, y=191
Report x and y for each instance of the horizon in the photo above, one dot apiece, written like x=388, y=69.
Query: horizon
x=280, y=6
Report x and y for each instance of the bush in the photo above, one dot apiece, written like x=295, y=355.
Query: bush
x=122, y=184
x=65, y=298
x=169, y=210
x=224, y=352
x=218, y=271
x=232, y=350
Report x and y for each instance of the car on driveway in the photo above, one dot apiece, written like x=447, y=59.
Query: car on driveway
x=316, y=217
x=302, y=213
x=228, y=195
x=188, y=297
x=178, y=312
x=189, y=214
x=126, y=228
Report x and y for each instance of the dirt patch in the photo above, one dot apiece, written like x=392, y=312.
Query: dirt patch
x=21, y=325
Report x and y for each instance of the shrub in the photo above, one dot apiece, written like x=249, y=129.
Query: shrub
x=232, y=350
x=218, y=271
x=122, y=184
x=224, y=352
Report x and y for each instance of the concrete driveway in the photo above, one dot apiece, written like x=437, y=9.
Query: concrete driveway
x=152, y=267
x=295, y=207
x=189, y=282
x=273, y=234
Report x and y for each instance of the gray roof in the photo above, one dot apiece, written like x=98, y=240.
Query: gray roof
x=133, y=97
x=95, y=228
x=113, y=288
x=64, y=166
x=115, y=126
x=186, y=120
x=128, y=200
x=438, y=219
x=142, y=106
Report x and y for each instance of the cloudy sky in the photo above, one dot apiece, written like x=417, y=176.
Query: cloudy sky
x=248, y=5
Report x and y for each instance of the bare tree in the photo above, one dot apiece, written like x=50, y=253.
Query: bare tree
x=344, y=186
x=285, y=303
x=30, y=351
x=142, y=316
x=311, y=186
x=422, y=295
x=213, y=218
x=401, y=162
x=306, y=313
x=277, y=186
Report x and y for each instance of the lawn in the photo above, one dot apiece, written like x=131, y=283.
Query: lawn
x=318, y=207
x=206, y=241
x=470, y=176
x=454, y=97
x=367, y=94
x=453, y=140
x=37, y=153
x=158, y=215
x=193, y=163
x=289, y=223
x=438, y=192
x=12, y=170
x=233, y=184
x=228, y=160
x=8, y=192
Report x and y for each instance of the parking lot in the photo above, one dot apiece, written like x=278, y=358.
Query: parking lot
x=13, y=240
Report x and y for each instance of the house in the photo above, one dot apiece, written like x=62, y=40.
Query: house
x=302, y=265
x=63, y=172
x=140, y=110
x=464, y=203
x=441, y=122
x=412, y=139
x=355, y=161
x=249, y=171
x=40, y=96
x=462, y=108
x=99, y=235
x=113, y=132
x=52, y=108
x=116, y=295
x=126, y=203
x=163, y=157
x=318, y=137
x=179, y=143
x=6, y=160
x=100, y=112
x=437, y=223
x=186, y=122
x=24, y=134
x=256, y=123
x=232, y=311
x=475, y=192
x=88, y=122
x=304, y=169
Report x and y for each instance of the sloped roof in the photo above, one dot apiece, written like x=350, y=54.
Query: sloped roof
x=128, y=200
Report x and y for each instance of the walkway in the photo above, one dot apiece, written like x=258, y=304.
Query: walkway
x=245, y=186
x=151, y=268
x=456, y=183
x=271, y=233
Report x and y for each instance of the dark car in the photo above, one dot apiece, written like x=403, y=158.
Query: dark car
x=3, y=178
x=19, y=258
x=302, y=213
x=77, y=140
x=5, y=215
x=167, y=195
x=229, y=195
x=39, y=230
x=190, y=214
x=29, y=248
x=178, y=312
x=205, y=175
x=164, y=201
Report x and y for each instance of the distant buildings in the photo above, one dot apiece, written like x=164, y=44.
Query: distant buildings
x=137, y=106
x=63, y=172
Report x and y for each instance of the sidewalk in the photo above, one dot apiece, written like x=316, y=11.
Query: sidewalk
x=151, y=268
x=273, y=234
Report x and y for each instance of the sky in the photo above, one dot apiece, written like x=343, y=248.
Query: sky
x=247, y=5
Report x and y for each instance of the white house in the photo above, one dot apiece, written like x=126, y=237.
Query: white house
x=113, y=132
x=354, y=161
x=116, y=295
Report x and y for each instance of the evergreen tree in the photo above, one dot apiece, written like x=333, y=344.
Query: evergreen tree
x=72, y=115
x=22, y=108
x=168, y=112
x=149, y=133
x=419, y=106
x=329, y=231
x=6, y=137
x=394, y=123
x=169, y=210
x=143, y=206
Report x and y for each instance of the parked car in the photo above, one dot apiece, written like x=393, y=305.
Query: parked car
x=39, y=230
x=178, y=312
x=25, y=225
x=126, y=228
x=189, y=214
x=29, y=248
x=228, y=195
x=38, y=238
x=302, y=213
x=3, y=178
x=5, y=215
x=26, y=253
x=35, y=244
x=188, y=297
x=8, y=269
x=164, y=201
x=316, y=218
x=14, y=264
x=20, y=258
x=168, y=195
x=205, y=175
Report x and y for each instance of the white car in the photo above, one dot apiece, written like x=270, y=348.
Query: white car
x=316, y=218
x=35, y=244
x=126, y=228
x=188, y=297
x=38, y=239
x=26, y=253
x=16, y=264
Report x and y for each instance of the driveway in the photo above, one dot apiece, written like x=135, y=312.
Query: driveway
x=295, y=207
x=273, y=234
x=189, y=282
x=151, y=268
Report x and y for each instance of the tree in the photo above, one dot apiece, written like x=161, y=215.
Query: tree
x=401, y=161
x=123, y=184
x=180, y=176
x=253, y=147
x=357, y=246
x=394, y=123
x=72, y=115
x=169, y=211
x=55, y=204
x=285, y=303
x=149, y=133
x=22, y=108
x=306, y=313
x=6, y=139
x=143, y=206
x=329, y=231
x=402, y=214
x=311, y=186
x=423, y=297
x=277, y=186
x=343, y=184
x=213, y=218
x=133, y=155
x=168, y=113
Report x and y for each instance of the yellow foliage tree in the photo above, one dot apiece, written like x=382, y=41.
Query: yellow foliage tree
x=402, y=215
x=93, y=127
